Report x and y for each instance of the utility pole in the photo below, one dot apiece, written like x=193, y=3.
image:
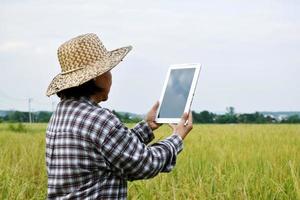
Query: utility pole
x=29, y=109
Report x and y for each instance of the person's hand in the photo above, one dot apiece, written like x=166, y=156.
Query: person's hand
x=150, y=117
x=184, y=126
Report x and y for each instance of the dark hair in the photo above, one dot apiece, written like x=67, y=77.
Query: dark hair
x=86, y=89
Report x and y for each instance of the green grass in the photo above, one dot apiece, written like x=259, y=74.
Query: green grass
x=218, y=162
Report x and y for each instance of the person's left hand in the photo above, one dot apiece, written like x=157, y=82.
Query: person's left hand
x=150, y=117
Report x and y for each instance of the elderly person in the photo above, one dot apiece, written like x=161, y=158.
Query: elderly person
x=90, y=153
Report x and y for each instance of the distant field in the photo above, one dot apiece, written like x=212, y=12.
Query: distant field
x=218, y=162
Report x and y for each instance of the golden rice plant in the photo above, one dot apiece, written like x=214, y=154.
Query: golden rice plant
x=218, y=162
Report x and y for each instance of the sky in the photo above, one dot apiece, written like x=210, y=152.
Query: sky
x=249, y=50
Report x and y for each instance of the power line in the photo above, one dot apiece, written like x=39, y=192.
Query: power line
x=10, y=97
x=10, y=102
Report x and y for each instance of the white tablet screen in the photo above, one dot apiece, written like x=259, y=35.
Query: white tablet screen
x=177, y=92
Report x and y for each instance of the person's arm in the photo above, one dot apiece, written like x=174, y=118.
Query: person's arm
x=143, y=131
x=135, y=160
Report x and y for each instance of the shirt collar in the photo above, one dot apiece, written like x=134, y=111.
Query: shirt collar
x=89, y=101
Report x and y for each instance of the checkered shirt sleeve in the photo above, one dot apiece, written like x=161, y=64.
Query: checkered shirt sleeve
x=127, y=150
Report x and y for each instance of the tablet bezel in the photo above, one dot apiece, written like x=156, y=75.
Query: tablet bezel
x=188, y=104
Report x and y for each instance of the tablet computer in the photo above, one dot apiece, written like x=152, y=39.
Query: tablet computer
x=178, y=92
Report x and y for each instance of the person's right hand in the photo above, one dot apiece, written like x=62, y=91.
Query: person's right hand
x=184, y=126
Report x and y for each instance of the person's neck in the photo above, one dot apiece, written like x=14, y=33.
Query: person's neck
x=96, y=98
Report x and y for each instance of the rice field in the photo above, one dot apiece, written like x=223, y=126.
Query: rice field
x=218, y=162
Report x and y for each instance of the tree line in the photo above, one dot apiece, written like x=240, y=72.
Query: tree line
x=205, y=117
x=44, y=117
x=230, y=117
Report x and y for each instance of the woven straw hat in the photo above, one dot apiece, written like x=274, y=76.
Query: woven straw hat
x=82, y=59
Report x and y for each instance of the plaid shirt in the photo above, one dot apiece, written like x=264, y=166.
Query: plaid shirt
x=90, y=154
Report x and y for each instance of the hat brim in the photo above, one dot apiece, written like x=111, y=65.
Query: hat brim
x=78, y=77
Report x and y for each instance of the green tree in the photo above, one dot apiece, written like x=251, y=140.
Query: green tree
x=43, y=116
x=292, y=119
x=17, y=116
x=230, y=111
x=203, y=117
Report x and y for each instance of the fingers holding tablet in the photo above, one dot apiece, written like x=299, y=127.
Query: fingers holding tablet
x=189, y=120
x=184, y=126
x=150, y=117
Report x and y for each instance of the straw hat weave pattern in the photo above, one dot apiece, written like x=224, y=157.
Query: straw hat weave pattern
x=82, y=59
